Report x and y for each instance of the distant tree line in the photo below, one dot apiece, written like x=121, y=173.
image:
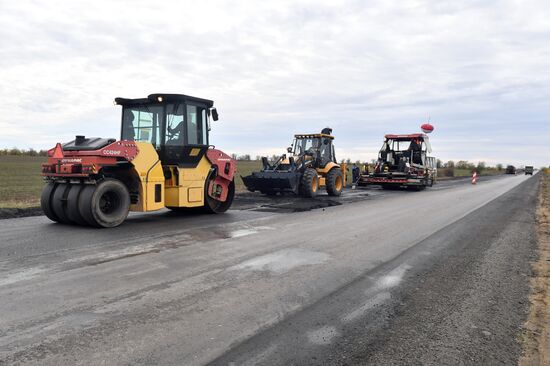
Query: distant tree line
x=23, y=152
x=245, y=157
x=448, y=169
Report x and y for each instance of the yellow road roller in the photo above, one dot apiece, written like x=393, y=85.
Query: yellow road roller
x=163, y=159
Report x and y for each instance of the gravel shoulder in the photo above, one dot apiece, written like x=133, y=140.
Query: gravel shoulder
x=536, y=337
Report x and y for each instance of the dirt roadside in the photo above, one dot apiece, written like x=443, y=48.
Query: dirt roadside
x=535, y=338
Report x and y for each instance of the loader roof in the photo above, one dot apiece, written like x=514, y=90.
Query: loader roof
x=162, y=97
x=313, y=135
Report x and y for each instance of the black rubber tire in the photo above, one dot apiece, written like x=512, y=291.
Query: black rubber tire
x=59, y=203
x=84, y=204
x=309, y=183
x=106, y=204
x=269, y=193
x=46, y=201
x=214, y=206
x=72, y=211
x=334, y=182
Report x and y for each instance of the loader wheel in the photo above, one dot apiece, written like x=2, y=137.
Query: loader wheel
x=335, y=182
x=309, y=183
x=214, y=206
x=46, y=201
x=106, y=204
x=59, y=203
x=72, y=210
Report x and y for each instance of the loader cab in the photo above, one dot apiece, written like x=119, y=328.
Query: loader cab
x=176, y=125
x=316, y=147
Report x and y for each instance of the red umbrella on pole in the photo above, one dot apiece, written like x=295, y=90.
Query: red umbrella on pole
x=427, y=128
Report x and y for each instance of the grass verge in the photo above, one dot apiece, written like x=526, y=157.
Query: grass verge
x=536, y=336
x=20, y=181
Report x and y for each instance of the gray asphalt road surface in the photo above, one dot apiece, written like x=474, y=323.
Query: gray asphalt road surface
x=391, y=277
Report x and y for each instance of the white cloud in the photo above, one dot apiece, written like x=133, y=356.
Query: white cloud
x=478, y=68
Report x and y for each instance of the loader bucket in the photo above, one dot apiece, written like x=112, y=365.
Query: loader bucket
x=272, y=181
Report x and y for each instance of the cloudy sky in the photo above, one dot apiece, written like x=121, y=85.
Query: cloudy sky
x=480, y=70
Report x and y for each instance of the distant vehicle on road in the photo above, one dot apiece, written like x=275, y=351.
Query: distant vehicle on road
x=403, y=161
x=510, y=169
x=529, y=170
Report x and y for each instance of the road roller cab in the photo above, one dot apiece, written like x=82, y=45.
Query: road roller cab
x=163, y=159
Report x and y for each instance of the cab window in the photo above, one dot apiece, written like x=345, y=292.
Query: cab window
x=196, y=125
x=142, y=123
x=326, y=150
x=303, y=145
x=175, y=124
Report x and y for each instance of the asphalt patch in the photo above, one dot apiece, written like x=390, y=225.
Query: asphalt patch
x=12, y=213
x=298, y=206
x=288, y=203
